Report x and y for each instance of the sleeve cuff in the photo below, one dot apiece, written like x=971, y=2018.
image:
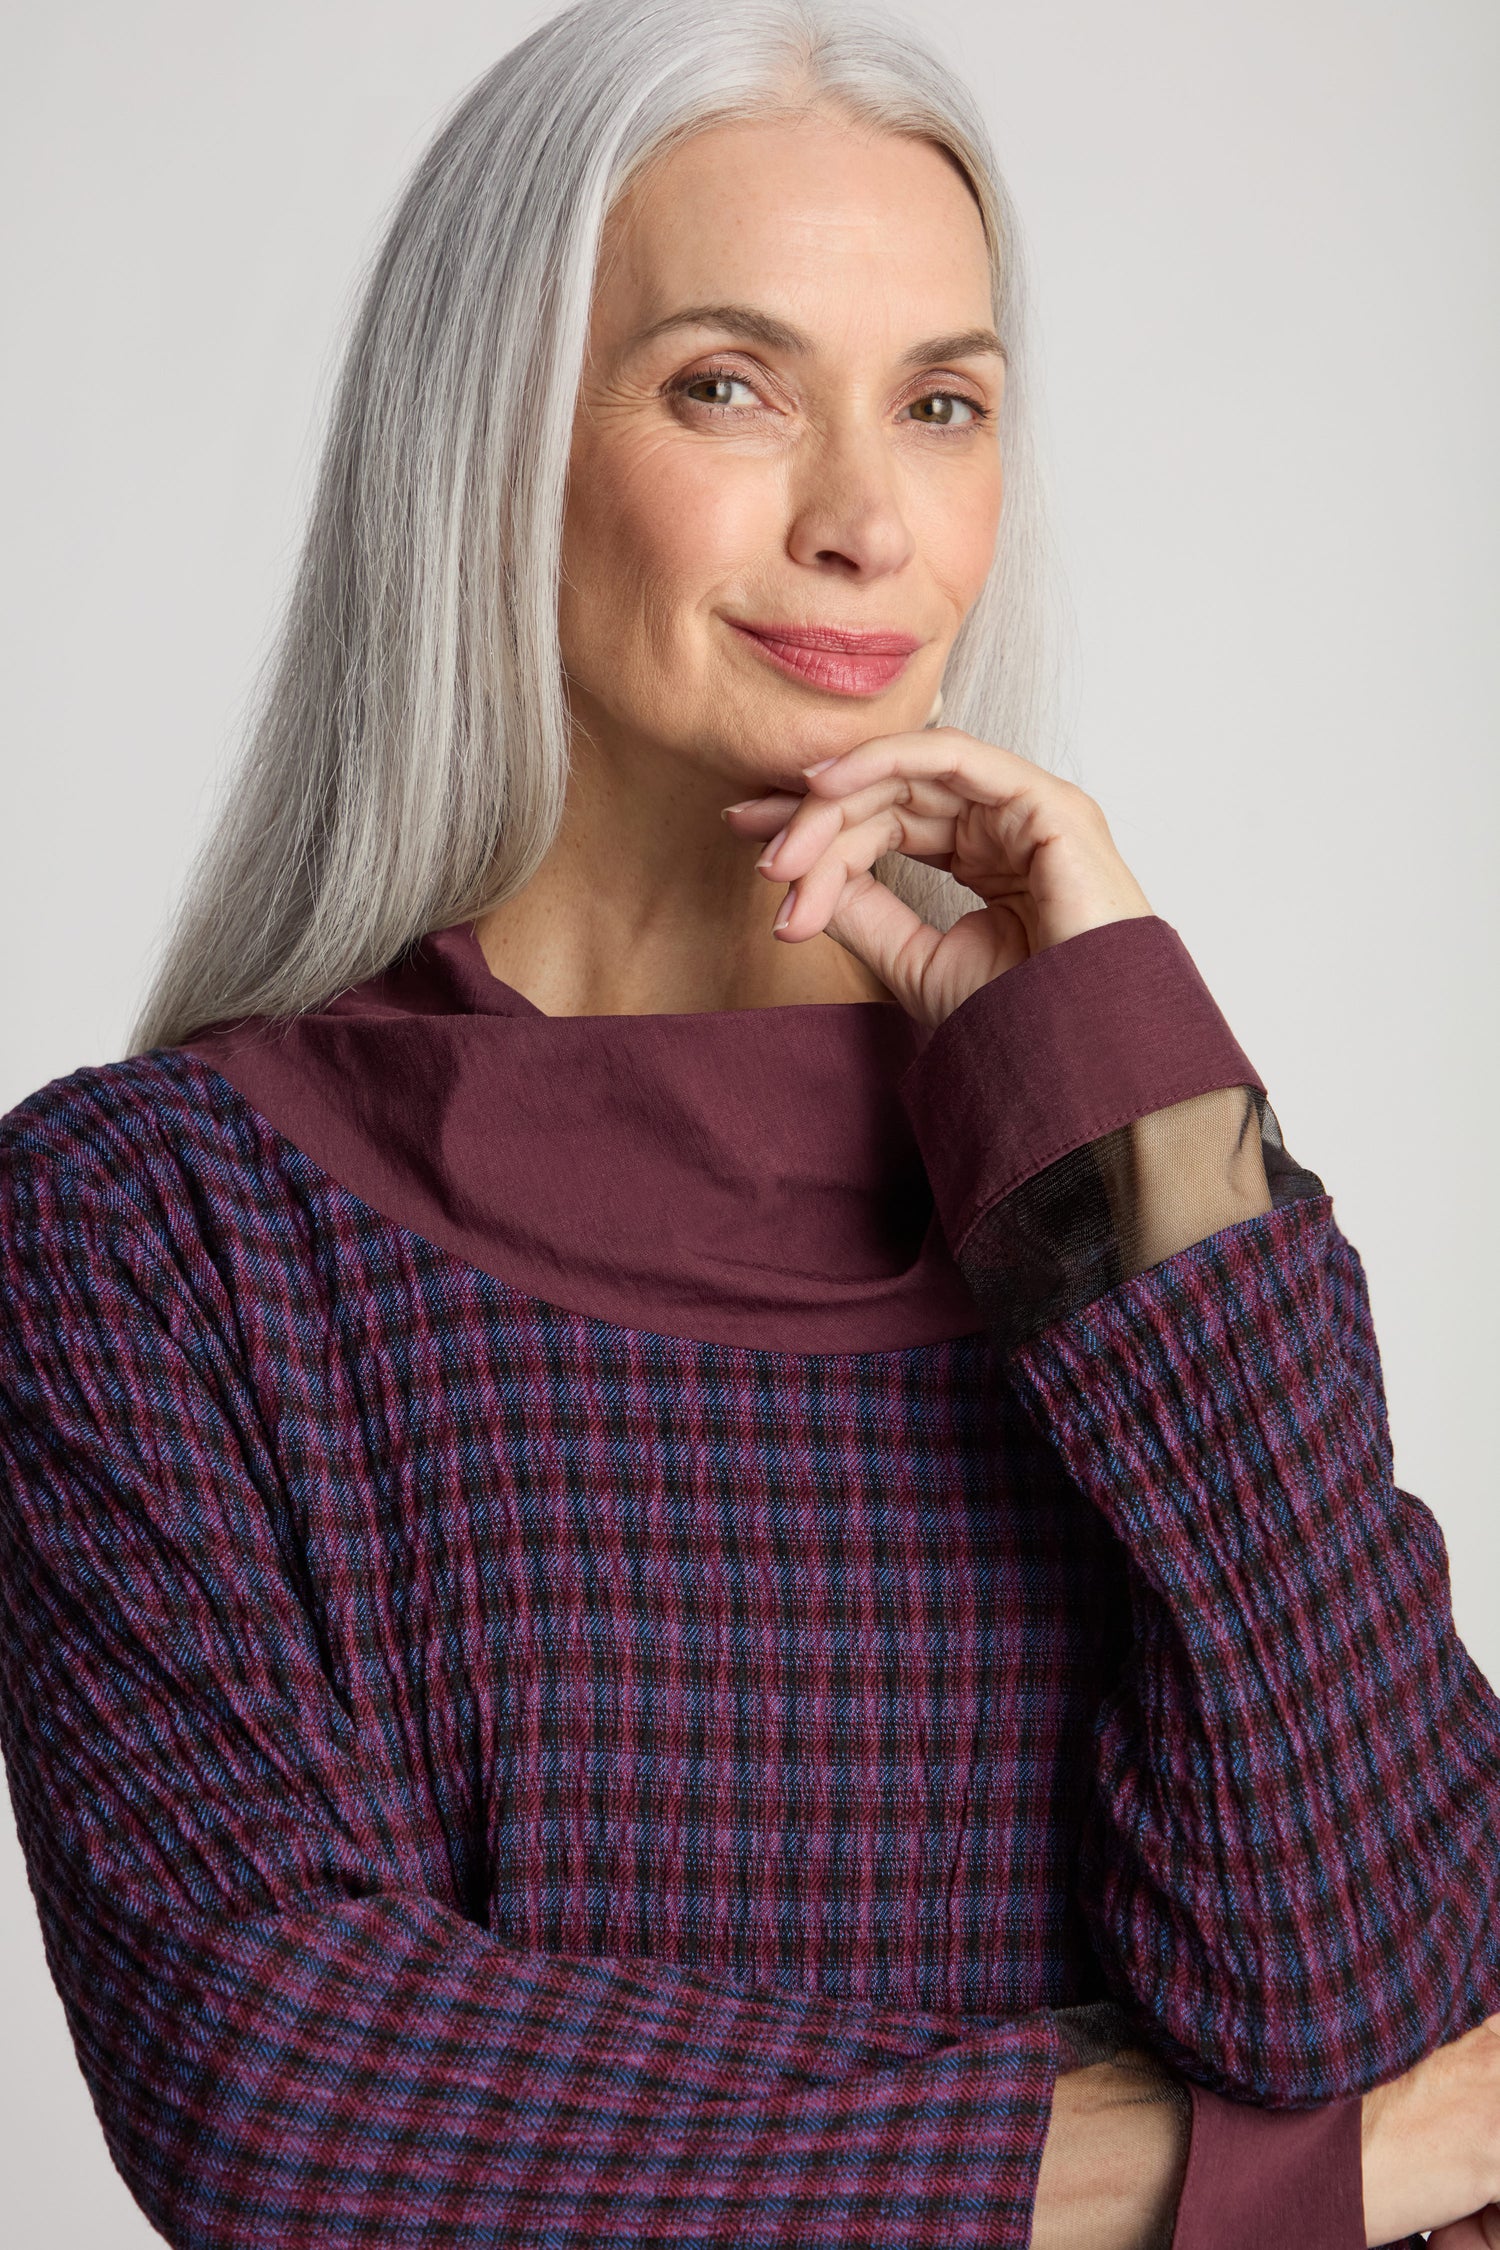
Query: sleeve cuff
x=1258, y=2179
x=1072, y=1043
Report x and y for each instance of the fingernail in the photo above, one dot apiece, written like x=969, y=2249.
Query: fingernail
x=772, y=848
x=818, y=768
x=743, y=806
x=785, y=915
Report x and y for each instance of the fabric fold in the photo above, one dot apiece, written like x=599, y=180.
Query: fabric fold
x=738, y=1176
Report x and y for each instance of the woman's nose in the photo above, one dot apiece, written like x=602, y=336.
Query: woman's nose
x=846, y=505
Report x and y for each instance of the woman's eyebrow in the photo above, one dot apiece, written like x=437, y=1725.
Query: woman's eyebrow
x=779, y=335
x=743, y=320
x=963, y=343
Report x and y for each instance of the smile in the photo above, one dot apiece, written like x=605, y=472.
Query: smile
x=847, y=663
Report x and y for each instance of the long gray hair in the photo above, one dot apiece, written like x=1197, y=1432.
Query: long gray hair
x=407, y=753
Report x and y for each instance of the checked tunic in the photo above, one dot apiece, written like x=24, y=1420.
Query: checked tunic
x=634, y=1631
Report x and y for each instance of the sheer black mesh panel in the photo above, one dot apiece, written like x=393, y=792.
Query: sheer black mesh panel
x=1123, y=1203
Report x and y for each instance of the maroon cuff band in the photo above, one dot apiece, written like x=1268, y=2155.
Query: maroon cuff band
x=1076, y=1040
x=1261, y=2179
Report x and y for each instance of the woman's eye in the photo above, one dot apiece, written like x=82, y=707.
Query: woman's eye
x=717, y=386
x=948, y=410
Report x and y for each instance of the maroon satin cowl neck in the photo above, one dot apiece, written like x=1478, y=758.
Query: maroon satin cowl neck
x=743, y=1176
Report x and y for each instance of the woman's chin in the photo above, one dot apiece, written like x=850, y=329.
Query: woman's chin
x=830, y=733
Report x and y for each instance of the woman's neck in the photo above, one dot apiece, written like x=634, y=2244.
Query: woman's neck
x=569, y=955
x=646, y=904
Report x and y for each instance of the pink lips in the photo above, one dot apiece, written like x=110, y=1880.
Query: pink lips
x=829, y=657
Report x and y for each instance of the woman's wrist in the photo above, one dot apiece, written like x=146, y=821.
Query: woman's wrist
x=1063, y=1053
x=1116, y=2152
x=1430, y=2139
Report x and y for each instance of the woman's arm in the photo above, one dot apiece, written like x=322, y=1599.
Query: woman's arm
x=1292, y=1860
x=1298, y=1742
x=1117, y=2144
x=293, y=2032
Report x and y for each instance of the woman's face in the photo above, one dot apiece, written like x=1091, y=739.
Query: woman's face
x=789, y=418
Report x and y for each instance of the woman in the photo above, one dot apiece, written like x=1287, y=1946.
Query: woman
x=699, y=1539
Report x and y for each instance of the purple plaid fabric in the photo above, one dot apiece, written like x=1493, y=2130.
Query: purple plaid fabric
x=491, y=1775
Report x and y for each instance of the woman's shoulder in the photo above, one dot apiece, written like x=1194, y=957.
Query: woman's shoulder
x=141, y=1141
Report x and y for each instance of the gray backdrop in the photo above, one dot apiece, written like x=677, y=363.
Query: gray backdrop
x=1263, y=237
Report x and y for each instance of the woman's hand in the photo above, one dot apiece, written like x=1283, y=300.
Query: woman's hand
x=1432, y=2147
x=1034, y=847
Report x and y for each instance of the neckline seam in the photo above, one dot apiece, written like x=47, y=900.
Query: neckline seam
x=481, y=976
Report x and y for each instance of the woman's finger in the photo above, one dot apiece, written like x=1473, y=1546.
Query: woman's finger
x=930, y=972
x=881, y=930
x=886, y=813
x=927, y=793
x=761, y=816
x=783, y=818
x=982, y=773
x=896, y=829
x=818, y=871
x=814, y=895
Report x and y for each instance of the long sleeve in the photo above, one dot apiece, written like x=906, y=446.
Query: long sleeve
x=291, y=2033
x=1291, y=1861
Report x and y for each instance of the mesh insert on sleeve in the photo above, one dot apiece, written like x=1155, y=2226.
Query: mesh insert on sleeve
x=1120, y=1204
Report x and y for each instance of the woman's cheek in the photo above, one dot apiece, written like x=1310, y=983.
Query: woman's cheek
x=702, y=515
x=957, y=523
x=655, y=536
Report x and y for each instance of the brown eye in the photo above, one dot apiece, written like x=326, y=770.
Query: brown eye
x=718, y=387
x=943, y=405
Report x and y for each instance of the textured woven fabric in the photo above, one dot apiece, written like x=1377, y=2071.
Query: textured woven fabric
x=489, y=1774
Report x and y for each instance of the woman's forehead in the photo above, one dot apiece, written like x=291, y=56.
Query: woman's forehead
x=797, y=213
